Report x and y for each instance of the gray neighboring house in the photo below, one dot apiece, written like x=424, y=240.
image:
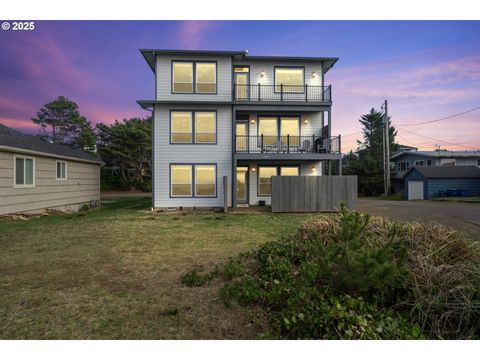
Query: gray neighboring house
x=423, y=183
x=227, y=113
x=36, y=175
x=403, y=161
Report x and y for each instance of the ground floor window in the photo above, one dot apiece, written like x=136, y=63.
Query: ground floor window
x=24, y=171
x=191, y=180
x=265, y=174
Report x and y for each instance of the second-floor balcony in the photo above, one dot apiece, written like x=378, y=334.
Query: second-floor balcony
x=282, y=93
x=287, y=144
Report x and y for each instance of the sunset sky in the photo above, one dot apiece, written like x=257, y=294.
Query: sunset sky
x=426, y=69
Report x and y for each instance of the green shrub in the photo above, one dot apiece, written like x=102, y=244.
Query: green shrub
x=352, y=277
x=194, y=278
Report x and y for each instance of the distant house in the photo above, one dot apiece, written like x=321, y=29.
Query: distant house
x=403, y=161
x=36, y=175
x=422, y=182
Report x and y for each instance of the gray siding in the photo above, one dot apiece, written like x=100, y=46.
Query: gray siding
x=164, y=79
x=165, y=154
x=82, y=185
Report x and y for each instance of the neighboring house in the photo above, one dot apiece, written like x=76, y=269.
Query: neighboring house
x=35, y=174
x=422, y=182
x=405, y=160
x=226, y=113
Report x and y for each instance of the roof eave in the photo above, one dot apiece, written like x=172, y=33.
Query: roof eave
x=41, y=153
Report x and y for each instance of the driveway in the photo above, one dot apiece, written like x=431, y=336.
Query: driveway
x=461, y=216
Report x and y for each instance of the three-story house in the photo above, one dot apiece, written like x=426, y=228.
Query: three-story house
x=226, y=113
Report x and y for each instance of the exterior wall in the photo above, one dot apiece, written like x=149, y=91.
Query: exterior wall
x=435, y=185
x=82, y=185
x=305, y=170
x=314, y=126
x=164, y=79
x=256, y=67
x=166, y=154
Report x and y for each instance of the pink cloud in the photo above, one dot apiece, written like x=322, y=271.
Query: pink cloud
x=192, y=33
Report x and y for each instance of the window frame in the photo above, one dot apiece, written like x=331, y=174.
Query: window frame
x=192, y=119
x=194, y=77
x=56, y=170
x=24, y=157
x=195, y=181
x=193, y=185
x=419, y=162
x=288, y=92
x=278, y=172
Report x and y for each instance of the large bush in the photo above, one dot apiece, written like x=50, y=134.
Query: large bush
x=352, y=277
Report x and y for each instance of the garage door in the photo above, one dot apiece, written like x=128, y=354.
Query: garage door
x=415, y=190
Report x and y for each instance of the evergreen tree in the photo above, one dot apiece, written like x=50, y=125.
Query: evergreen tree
x=367, y=160
x=61, y=123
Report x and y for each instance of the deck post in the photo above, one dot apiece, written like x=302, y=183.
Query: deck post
x=234, y=184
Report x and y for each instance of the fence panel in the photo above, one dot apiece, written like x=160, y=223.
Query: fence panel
x=313, y=193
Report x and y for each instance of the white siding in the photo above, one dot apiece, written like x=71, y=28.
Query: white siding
x=305, y=170
x=164, y=79
x=165, y=154
x=82, y=185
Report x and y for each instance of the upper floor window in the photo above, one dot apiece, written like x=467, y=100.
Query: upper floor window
x=61, y=170
x=289, y=79
x=194, y=77
x=24, y=171
x=188, y=127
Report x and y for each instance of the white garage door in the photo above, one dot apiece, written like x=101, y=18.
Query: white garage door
x=415, y=190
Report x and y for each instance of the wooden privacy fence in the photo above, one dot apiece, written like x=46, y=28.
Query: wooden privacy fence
x=313, y=193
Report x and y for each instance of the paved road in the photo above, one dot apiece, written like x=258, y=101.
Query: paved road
x=462, y=216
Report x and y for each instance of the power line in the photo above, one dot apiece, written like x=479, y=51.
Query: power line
x=441, y=119
x=435, y=139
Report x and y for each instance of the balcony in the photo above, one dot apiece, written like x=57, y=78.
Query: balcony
x=282, y=93
x=262, y=144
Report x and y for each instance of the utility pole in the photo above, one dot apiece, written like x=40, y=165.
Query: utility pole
x=386, y=149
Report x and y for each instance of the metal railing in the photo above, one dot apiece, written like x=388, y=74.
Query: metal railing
x=287, y=144
x=282, y=93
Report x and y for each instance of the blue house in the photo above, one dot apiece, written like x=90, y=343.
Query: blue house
x=404, y=161
x=423, y=183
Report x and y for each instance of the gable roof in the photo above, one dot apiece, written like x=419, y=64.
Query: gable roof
x=11, y=139
x=439, y=154
x=447, y=172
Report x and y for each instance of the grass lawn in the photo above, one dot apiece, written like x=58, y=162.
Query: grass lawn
x=115, y=273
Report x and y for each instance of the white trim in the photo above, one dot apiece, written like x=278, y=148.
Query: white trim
x=39, y=153
x=21, y=186
x=56, y=168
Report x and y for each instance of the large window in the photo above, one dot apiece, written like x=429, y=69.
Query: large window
x=24, y=171
x=187, y=127
x=206, y=81
x=205, y=180
x=289, y=128
x=181, y=180
x=182, y=77
x=265, y=174
x=194, y=77
x=290, y=80
x=61, y=170
x=193, y=180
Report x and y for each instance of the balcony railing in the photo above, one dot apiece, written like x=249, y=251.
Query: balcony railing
x=282, y=93
x=287, y=144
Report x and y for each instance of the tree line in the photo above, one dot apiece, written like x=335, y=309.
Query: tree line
x=126, y=148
